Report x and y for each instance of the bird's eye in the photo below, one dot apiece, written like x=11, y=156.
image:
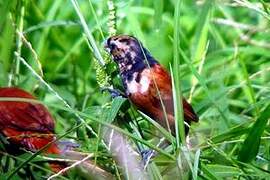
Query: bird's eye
x=125, y=41
x=113, y=46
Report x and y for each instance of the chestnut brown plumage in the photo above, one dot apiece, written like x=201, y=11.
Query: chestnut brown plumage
x=27, y=125
x=143, y=77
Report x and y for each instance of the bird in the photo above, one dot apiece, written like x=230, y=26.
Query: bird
x=146, y=81
x=28, y=125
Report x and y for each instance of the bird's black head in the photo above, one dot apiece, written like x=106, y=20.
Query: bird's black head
x=128, y=52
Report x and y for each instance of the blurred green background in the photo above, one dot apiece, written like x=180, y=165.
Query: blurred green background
x=225, y=63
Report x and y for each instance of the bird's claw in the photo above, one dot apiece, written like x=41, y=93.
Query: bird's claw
x=68, y=145
x=147, y=154
x=114, y=92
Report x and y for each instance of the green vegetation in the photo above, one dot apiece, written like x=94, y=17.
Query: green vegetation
x=217, y=51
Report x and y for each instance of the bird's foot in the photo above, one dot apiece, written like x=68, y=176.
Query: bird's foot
x=67, y=145
x=114, y=92
x=147, y=154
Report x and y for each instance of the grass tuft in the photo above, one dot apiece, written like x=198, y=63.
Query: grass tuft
x=219, y=52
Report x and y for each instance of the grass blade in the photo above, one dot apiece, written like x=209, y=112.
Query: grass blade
x=177, y=94
x=251, y=144
x=88, y=33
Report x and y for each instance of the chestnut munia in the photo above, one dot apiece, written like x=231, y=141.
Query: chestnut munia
x=143, y=77
x=25, y=124
x=30, y=126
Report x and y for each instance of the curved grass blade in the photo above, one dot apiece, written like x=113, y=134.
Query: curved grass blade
x=251, y=144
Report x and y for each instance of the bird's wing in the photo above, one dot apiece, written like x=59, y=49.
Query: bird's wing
x=24, y=115
x=163, y=82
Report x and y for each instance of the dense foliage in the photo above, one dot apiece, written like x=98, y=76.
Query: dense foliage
x=224, y=70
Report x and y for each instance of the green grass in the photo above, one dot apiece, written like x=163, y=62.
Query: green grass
x=219, y=52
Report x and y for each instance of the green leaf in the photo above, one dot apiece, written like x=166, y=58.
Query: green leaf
x=196, y=164
x=176, y=80
x=251, y=144
x=201, y=32
x=158, y=4
x=228, y=135
x=222, y=171
x=207, y=173
x=116, y=105
x=4, y=8
x=3, y=75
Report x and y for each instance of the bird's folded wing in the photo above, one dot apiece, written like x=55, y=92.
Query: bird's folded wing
x=24, y=115
x=161, y=88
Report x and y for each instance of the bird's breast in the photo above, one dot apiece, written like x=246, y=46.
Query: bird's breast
x=140, y=85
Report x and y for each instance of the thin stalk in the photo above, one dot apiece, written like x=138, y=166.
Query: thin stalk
x=177, y=95
x=96, y=19
x=14, y=77
x=89, y=35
